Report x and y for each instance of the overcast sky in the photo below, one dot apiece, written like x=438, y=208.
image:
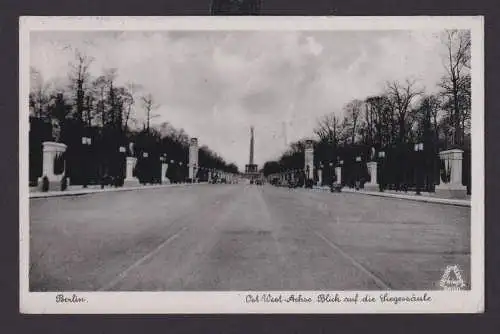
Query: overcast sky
x=216, y=84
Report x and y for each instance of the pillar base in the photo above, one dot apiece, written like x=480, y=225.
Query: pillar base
x=54, y=183
x=451, y=191
x=371, y=187
x=133, y=182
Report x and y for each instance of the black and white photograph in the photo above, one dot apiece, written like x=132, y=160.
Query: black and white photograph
x=257, y=164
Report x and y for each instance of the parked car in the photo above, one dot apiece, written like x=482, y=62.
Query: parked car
x=335, y=187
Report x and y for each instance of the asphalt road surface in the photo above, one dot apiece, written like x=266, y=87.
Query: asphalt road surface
x=243, y=237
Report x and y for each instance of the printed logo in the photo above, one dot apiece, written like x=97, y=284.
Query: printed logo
x=452, y=279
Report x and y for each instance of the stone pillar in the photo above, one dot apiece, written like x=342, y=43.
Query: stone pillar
x=193, y=158
x=309, y=159
x=372, y=170
x=130, y=179
x=338, y=175
x=452, y=160
x=51, y=151
x=320, y=177
x=195, y=173
x=164, y=168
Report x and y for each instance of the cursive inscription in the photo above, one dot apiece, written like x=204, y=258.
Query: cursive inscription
x=61, y=298
x=337, y=298
x=279, y=298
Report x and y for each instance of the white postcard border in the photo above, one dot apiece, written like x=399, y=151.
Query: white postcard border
x=235, y=301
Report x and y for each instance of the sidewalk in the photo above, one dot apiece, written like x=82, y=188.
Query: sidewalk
x=97, y=189
x=410, y=197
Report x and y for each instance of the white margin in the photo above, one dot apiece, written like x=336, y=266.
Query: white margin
x=233, y=302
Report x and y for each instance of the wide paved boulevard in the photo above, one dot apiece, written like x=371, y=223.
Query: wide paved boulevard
x=243, y=237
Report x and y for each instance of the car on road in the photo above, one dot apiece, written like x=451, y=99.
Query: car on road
x=335, y=187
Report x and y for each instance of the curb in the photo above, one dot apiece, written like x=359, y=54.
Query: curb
x=426, y=199
x=416, y=198
x=105, y=190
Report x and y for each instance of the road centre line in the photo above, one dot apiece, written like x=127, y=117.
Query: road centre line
x=378, y=281
x=137, y=263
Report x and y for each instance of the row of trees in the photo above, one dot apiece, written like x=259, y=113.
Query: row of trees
x=83, y=106
x=402, y=114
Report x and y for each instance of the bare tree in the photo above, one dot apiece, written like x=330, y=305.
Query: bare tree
x=327, y=128
x=353, y=112
x=297, y=147
x=79, y=77
x=149, y=105
x=431, y=107
x=114, y=110
x=456, y=82
x=370, y=121
x=39, y=96
x=401, y=96
x=132, y=89
x=99, y=87
x=380, y=116
x=102, y=87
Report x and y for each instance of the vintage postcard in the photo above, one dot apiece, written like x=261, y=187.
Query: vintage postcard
x=227, y=164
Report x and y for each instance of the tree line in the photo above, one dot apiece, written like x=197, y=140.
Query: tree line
x=99, y=108
x=400, y=115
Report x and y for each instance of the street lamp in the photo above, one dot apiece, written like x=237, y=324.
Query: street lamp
x=381, y=171
x=358, y=173
x=306, y=179
x=331, y=172
x=86, y=142
x=121, y=168
x=320, y=172
x=419, y=147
